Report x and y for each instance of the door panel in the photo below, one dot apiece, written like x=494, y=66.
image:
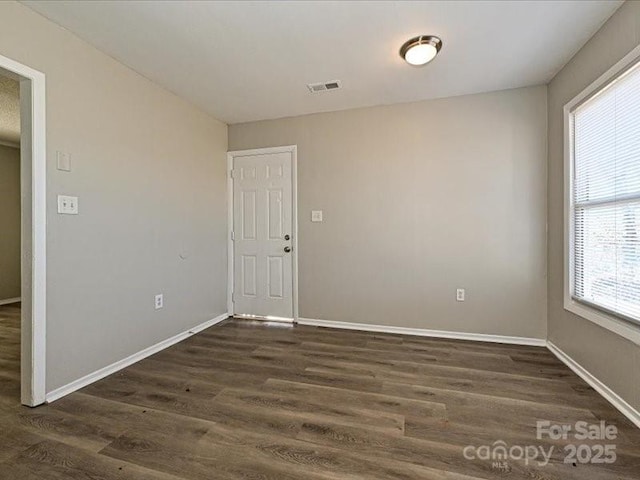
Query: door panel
x=249, y=220
x=249, y=275
x=262, y=217
x=274, y=214
x=275, y=272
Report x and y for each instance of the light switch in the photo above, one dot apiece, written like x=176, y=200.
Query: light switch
x=67, y=205
x=63, y=161
x=316, y=215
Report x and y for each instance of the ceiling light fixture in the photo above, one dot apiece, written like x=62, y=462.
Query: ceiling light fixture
x=420, y=50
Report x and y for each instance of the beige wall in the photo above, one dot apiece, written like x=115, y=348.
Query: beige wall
x=9, y=222
x=149, y=171
x=420, y=199
x=612, y=359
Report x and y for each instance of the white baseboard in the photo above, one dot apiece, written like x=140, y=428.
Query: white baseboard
x=478, y=337
x=616, y=400
x=131, y=359
x=612, y=397
x=7, y=301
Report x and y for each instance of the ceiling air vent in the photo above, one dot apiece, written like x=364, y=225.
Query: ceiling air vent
x=324, y=87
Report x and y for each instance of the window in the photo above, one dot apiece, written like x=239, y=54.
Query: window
x=604, y=213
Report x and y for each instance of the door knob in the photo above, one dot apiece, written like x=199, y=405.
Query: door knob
x=287, y=249
x=287, y=237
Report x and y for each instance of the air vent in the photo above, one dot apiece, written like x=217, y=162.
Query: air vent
x=324, y=87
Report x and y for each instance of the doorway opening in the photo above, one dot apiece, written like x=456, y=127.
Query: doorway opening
x=263, y=234
x=10, y=286
x=23, y=221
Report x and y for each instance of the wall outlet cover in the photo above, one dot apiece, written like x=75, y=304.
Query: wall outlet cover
x=63, y=161
x=159, y=301
x=316, y=215
x=67, y=205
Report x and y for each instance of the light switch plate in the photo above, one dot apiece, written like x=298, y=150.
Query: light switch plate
x=316, y=215
x=67, y=205
x=63, y=161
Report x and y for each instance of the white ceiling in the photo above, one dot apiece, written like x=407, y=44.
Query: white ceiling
x=9, y=110
x=244, y=61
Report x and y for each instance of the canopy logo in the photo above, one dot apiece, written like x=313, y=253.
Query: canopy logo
x=499, y=452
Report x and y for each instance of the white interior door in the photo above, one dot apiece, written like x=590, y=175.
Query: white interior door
x=263, y=235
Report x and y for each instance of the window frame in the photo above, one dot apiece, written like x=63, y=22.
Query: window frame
x=627, y=328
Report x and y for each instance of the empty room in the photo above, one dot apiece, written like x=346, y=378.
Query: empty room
x=319, y=240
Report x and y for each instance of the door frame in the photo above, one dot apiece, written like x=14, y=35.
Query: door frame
x=33, y=153
x=293, y=150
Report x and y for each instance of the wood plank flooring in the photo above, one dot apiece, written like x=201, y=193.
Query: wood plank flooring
x=251, y=400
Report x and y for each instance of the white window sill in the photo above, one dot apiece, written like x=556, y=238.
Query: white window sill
x=622, y=327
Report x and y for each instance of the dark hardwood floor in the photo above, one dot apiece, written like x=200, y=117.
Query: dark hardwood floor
x=250, y=400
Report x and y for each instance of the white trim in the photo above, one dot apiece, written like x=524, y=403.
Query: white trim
x=230, y=308
x=421, y=332
x=621, y=327
x=34, y=348
x=131, y=359
x=7, y=301
x=616, y=400
x=293, y=149
x=612, y=397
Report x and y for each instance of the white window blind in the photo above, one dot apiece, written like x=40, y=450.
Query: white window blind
x=606, y=198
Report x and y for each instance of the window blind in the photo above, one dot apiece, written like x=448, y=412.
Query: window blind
x=606, y=198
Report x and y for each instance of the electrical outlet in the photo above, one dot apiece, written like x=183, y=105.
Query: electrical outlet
x=460, y=294
x=159, y=301
x=316, y=215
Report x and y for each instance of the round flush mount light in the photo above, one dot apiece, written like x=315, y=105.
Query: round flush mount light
x=420, y=50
